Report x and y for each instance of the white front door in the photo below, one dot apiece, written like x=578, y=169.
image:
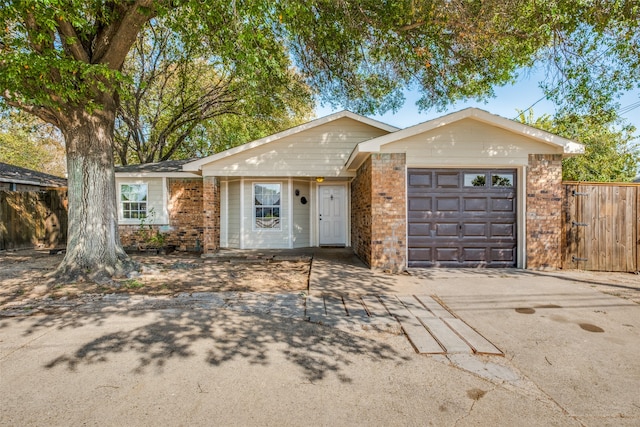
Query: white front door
x=333, y=215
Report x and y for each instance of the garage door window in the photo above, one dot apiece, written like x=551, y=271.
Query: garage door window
x=480, y=180
x=502, y=179
x=474, y=180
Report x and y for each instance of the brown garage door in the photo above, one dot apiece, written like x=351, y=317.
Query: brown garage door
x=461, y=218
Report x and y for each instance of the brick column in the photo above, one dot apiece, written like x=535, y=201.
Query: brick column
x=378, y=212
x=211, y=211
x=185, y=213
x=388, y=212
x=544, y=211
x=361, y=212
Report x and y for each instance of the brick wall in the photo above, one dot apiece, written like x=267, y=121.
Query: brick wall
x=211, y=212
x=544, y=207
x=185, y=208
x=361, y=212
x=379, y=212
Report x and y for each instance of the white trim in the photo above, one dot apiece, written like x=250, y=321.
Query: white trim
x=347, y=209
x=131, y=221
x=242, y=219
x=280, y=228
x=522, y=218
x=157, y=175
x=521, y=204
x=197, y=164
x=290, y=183
x=33, y=183
x=347, y=212
x=406, y=216
x=313, y=214
x=224, y=213
x=568, y=146
x=165, y=199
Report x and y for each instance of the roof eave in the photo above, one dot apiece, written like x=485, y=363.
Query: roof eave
x=568, y=146
x=143, y=174
x=197, y=165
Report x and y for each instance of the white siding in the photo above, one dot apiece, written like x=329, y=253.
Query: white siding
x=233, y=215
x=468, y=143
x=320, y=151
x=301, y=215
x=265, y=238
x=155, y=199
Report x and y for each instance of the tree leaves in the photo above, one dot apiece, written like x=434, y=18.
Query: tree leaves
x=611, y=149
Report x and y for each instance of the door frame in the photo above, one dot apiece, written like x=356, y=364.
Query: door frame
x=347, y=211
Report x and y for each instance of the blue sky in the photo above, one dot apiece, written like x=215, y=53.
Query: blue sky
x=506, y=103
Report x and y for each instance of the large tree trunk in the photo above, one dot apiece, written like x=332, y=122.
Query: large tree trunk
x=93, y=251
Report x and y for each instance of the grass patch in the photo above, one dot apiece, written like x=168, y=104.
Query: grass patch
x=132, y=284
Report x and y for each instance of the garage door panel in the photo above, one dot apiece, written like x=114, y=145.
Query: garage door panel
x=503, y=230
x=420, y=242
x=419, y=229
x=453, y=225
x=502, y=205
x=420, y=180
x=475, y=204
x=474, y=229
x=502, y=254
x=447, y=204
x=420, y=204
x=447, y=254
x=420, y=254
x=447, y=179
x=447, y=230
x=474, y=254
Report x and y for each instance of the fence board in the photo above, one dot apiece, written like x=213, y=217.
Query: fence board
x=33, y=218
x=637, y=228
x=600, y=226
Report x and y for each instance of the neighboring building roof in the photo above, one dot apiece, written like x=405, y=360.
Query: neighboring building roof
x=363, y=149
x=197, y=165
x=165, y=168
x=18, y=175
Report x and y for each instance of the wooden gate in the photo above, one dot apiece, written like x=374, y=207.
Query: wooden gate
x=600, y=226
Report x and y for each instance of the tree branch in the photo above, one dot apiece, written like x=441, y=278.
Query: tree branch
x=114, y=43
x=71, y=42
x=43, y=113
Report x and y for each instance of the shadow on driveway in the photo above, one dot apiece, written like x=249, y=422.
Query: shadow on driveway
x=153, y=338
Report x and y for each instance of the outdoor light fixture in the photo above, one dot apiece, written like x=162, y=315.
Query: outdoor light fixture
x=319, y=178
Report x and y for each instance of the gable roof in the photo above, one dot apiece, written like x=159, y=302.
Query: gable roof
x=197, y=164
x=167, y=168
x=568, y=146
x=19, y=175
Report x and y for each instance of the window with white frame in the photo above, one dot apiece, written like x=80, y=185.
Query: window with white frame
x=133, y=200
x=266, y=206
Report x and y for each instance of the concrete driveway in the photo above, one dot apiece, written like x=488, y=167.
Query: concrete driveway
x=191, y=364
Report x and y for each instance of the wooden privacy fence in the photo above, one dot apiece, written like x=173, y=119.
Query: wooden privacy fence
x=600, y=226
x=29, y=219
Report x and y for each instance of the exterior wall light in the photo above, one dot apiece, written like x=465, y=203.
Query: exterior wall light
x=319, y=178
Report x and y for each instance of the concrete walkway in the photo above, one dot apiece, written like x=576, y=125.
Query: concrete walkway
x=570, y=355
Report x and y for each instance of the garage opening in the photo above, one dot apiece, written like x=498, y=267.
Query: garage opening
x=461, y=218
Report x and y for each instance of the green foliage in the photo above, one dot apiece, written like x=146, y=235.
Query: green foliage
x=594, y=56
x=132, y=284
x=358, y=54
x=27, y=142
x=146, y=233
x=611, y=148
x=181, y=102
